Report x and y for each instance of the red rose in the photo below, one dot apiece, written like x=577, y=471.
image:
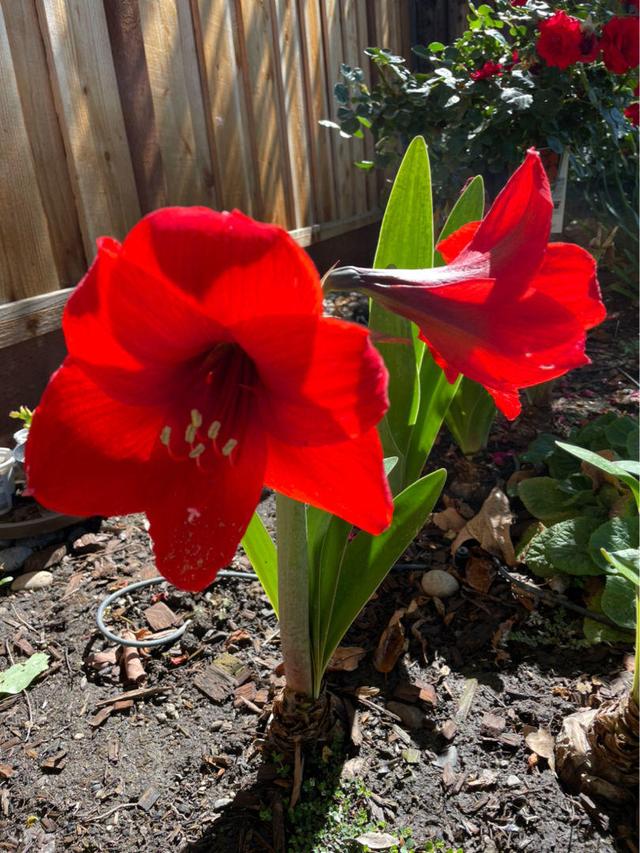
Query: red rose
x=560, y=40
x=620, y=44
x=489, y=69
x=632, y=112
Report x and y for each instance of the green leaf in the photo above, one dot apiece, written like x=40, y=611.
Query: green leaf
x=633, y=444
x=536, y=554
x=614, y=468
x=405, y=242
x=436, y=47
x=617, y=534
x=626, y=563
x=596, y=632
x=367, y=559
x=567, y=546
x=545, y=500
x=540, y=449
x=19, y=676
x=619, y=431
x=471, y=416
x=262, y=555
x=468, y=208
x=618, y=601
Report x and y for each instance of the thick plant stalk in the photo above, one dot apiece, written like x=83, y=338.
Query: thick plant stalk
x=293, y=595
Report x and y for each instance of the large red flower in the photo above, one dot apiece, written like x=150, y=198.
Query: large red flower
x=560, y=40
x=199, y=368
x=620, y=44
x=509, y=310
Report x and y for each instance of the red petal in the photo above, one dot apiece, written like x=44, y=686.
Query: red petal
x=87, y=323
x=568, y=274
x=513, y=235
x=452, y=245
x=345, y=479
x=88, y=454
x=322, y=379
x=201, y=514
x=235, y=267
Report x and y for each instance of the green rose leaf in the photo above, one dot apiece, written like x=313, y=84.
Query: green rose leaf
x=617, y=534
x=618, y=601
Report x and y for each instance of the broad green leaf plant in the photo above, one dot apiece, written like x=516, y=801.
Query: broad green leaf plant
x=327, y=570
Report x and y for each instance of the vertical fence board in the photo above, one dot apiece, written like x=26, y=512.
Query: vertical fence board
x=295, y=110
x=275, y=184
x=45, y=140
x=343, y=149
x=352, y=56
x=78, y=49
x=27, y=264
x=365, y=63
x=320, y=137
x=233, y=161
x=171, y=58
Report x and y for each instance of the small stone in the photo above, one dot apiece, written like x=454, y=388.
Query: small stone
x=32, y=580
x=412, y=717
x=513, y=782
x=492, y=725
x=222, y=802
x=439, y=584
x=13, y=558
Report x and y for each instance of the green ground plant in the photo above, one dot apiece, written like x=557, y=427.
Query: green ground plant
x=587, y=507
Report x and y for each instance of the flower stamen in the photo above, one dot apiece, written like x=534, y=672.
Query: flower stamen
x=229, y=446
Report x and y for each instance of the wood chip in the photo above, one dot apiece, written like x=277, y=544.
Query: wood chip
x=99, y=718
x=492, y=725
x=391, y=643
x=448, y=730
x=466, y=700
x=245, y=691
x=74, y=583
x=55, y=763
x=114, y=750
x=131, y=661
x=24, y=645
x=148, y=798
x=87, y=544
x=123, y=705
x=160, y=617
x=241, y=637
x=142, y=693
x=214, y=683
x=5, y=771
x=44, y=559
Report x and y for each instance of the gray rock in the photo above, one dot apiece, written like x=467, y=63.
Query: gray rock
x=412, y=717
x=32, y=580
x=13, y=558
x=439, y=583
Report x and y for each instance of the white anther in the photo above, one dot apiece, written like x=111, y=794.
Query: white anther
x=214, y=429
x=197, y=451
x=196, y=418
x=190, y=434
x=165, y=436
x=228, y=447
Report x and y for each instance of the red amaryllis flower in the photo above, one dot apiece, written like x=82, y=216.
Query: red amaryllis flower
x=510, y=310
x=518, y=2
x=559, y=40
x=489, y=69
x=620, y=48
x=199, y=368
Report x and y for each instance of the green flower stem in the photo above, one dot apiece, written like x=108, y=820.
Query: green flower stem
x=293, y=595
x=635, y=689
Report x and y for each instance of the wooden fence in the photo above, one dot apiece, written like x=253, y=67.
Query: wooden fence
x=111, y=108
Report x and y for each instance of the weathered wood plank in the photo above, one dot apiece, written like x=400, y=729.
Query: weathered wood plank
x=343, y=149
x=217, y=31
x=352, y=56
x=81, y=66
x=295, y=110
x=172, y=64
x=320, y=137
x=45, y=139
x=27, y=263
x=268, y=115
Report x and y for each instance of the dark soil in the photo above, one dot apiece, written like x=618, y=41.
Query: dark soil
x=177, y=769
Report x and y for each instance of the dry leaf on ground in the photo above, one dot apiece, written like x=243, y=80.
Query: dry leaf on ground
x=391, y=643
x=490, y=527
x=346, y=659
x=543, y=744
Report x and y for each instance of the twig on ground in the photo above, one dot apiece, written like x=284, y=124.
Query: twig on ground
x=108, y=813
